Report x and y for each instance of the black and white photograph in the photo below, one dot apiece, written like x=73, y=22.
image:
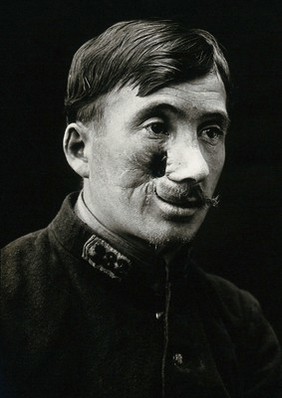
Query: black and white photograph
x=141, y=199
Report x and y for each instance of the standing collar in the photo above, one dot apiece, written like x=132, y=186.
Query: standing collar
x=138, y=251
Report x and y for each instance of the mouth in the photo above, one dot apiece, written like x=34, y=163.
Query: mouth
x=177, y=207
x=183, y=202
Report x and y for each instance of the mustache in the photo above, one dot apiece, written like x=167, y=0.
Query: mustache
x=185, y=195
x=212, y=202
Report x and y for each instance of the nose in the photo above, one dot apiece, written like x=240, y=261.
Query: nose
x=186, y=162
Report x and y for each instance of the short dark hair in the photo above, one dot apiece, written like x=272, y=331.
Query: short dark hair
x=148, y=54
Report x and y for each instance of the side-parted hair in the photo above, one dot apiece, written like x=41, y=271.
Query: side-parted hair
x=148, y=54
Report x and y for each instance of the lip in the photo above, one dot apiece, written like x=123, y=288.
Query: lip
x=176, y=207
x=181, y=202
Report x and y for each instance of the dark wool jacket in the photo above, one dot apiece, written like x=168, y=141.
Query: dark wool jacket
x=83, y=319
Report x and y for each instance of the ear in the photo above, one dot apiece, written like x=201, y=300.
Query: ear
x=75, y=141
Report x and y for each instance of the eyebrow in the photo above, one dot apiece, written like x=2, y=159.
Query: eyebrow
x=154, y=109
x=220, y=116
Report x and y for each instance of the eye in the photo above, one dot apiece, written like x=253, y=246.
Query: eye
x=212, y=135
x=157, y=128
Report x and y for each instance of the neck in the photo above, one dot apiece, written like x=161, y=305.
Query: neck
x=138, y=247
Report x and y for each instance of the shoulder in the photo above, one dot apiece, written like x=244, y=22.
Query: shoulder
x=226, y=296
x=23, y=253
x=24, y=245
x=239, y=313
x=34, y=282
x=27, y=264
x=237, y=309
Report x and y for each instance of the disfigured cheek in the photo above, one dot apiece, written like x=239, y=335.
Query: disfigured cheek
x=143, y=165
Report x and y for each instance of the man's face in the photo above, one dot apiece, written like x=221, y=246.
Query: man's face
x=153, y=157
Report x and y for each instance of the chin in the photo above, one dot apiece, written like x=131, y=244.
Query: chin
x=173, y=236
x=174, y=232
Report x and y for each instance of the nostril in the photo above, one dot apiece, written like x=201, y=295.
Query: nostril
x=158, y=164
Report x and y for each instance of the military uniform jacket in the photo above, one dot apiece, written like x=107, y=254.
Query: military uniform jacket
x=81, y=318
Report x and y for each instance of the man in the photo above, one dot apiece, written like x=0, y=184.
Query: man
x=106, y=302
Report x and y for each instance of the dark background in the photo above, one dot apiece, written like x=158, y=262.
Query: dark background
x=241, y=240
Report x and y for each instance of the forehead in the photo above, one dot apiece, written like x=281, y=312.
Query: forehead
x=196, y=97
